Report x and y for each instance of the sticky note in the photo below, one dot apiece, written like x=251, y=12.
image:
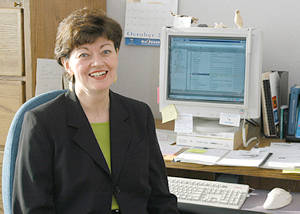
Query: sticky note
x=198, y=151
x=291, y=170
x=169, y=113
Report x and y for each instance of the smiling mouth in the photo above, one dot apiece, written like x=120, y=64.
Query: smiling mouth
x=98, y=74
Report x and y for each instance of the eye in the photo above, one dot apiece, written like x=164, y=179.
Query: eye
x=83, y=55
x=107, y=52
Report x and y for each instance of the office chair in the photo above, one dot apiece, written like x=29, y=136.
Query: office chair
x=12, y=144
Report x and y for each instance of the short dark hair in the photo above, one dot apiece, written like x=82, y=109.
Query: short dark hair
x=84, y=26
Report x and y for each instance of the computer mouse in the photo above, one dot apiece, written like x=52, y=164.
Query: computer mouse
x=277, y=198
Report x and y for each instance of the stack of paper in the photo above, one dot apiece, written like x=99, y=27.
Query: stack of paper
x=165, y=136
x=284, y=156
x=255, y=157
x=201, y=155
x=165, y=139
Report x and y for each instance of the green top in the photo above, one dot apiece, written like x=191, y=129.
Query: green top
x=102, y=133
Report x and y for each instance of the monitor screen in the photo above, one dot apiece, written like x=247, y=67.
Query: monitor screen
x=207, y=68
x=206, y=72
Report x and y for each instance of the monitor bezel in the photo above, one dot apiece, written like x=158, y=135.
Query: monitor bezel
x=183, y=106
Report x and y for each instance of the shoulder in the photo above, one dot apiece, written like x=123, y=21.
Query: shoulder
x=50, y=108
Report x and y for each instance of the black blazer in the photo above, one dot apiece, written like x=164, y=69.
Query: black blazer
x=60, y=167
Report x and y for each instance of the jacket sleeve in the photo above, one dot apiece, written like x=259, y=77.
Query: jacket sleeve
x=33, y=180
x=161, y=200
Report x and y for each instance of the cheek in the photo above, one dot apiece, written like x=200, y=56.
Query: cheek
x=78, y=67
x=114, y=62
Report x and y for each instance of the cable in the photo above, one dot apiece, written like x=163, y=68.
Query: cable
x=245, y=141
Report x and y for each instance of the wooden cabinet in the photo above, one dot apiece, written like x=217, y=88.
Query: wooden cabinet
x=11, y=98
x=11, y=66
x=27, y=32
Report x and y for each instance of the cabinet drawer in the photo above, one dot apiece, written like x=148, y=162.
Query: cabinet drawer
x=11, y=98
x=11, y=42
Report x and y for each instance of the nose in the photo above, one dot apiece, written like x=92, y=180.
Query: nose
x=97, y=60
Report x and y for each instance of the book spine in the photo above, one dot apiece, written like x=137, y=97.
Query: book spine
x=297, y=135
x=264, y=112
x=283, y=120
x=269, y=108
x=274, y=88
x=292, y=111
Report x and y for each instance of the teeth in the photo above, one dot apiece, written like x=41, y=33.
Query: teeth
x=98, y=74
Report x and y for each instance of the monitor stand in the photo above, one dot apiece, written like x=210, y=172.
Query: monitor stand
x=207, y=125
x=210, y=134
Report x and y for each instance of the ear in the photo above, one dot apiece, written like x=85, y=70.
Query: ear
x=66, y=65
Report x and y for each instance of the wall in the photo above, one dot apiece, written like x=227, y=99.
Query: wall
x=278, y=19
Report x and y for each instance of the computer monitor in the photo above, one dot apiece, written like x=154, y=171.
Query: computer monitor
x=209, y=71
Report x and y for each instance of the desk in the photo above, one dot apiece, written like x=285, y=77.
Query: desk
x=255, y=202
x=252, y=205
x=257, y=178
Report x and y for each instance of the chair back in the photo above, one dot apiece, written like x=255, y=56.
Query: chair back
x=12, y=144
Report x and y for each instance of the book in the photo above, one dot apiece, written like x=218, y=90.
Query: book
x=283, y=88
x=297, y=135
x=204, y=156
x=293, y=103
x=253, y=158
x=284, y=116
x=270, y=115
x=274, y=90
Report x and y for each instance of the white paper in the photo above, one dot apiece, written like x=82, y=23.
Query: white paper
x=144, y=19
x=230, y=119
x=167, y=149
x=201, y=155
x=48, y=76
x=165, y=136
x=253, y=158
x=283, y=161
x=184, y=123
x=182, y=22
x=283, y=147
x=284, y=156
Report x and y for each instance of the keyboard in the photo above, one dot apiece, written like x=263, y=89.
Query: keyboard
x=208, y=193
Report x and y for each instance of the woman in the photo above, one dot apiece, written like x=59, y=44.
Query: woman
x=90, y=150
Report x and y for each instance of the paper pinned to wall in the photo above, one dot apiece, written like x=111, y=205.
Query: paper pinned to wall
x=49, y=76
x=144, y=19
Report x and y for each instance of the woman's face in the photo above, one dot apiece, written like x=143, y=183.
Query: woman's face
x=93, y=65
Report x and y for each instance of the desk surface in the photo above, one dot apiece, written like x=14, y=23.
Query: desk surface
x=248, y=171
x=253, y=204
x=256, y=200
x=272, y=175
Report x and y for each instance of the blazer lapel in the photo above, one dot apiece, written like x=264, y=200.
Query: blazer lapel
x=83, y=133
x=120, y=133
